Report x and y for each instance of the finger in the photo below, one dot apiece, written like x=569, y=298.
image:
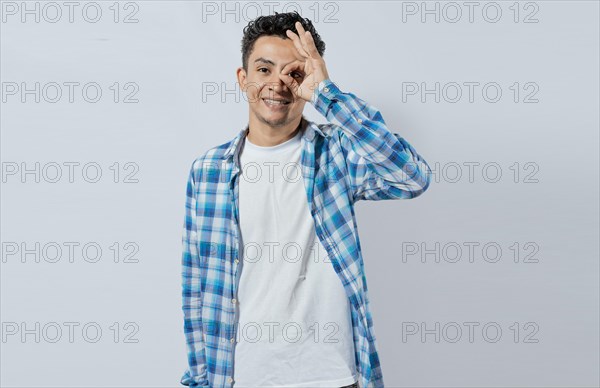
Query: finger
x=297, y=43
x=311, y=47
x=295, y=65
x=302, y=36
x=308, y=43
x=290, y=82
x=300, y=28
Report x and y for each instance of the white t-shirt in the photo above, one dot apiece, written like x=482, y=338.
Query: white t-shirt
x=295, y=327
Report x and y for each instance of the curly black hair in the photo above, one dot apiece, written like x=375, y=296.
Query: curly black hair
x=276, y=25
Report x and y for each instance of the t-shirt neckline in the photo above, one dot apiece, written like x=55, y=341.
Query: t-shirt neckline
x=286, y=145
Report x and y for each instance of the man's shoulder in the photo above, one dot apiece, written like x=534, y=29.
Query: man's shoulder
x=214, y=154
x=210, y=160
x=330, y=131
x=327, y=128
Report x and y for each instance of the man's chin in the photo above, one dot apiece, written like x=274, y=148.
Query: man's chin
x=275, y=122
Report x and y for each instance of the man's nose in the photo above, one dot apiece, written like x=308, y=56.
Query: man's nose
x=275, y=83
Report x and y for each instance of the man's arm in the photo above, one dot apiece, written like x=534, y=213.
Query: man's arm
x=381, y=164
x=195, y=376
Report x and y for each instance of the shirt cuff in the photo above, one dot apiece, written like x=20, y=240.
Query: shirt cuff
x=324, y=94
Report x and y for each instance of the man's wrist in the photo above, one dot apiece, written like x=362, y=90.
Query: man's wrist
x=324, y=95
x=319, y=89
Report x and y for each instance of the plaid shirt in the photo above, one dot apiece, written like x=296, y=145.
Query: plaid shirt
x=353, y=157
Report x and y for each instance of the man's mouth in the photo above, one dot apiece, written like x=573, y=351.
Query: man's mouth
x=275, y=102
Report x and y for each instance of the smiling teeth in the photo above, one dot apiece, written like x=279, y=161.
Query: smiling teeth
x=274, y=102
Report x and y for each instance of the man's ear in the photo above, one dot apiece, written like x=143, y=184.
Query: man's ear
x=241, y=77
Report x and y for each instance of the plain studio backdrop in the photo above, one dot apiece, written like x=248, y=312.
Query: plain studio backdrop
x=488, y=279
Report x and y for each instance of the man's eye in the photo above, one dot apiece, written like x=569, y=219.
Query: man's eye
x=262, y=68
x=297, y=74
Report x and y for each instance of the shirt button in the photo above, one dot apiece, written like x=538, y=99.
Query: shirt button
x=326, y=89
x=360, y=121
x=233, y=339
x=229, y=379
x=237, y=261
x=233, y=301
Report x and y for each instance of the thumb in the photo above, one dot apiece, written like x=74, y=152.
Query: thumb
x=290, y=82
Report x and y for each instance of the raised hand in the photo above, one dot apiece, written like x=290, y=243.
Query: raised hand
x=312, y=66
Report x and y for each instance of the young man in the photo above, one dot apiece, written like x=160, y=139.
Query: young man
x=274, y=292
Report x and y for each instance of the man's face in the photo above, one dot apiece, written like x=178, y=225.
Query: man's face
x=261, y=82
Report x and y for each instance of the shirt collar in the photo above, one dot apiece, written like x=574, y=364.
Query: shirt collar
x=310, y=131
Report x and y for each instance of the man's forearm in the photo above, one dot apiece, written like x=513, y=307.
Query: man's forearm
x=388, y=160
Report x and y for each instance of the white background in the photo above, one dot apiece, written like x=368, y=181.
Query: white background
x=174, y=54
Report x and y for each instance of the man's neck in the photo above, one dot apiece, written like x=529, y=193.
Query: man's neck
x=269, y=137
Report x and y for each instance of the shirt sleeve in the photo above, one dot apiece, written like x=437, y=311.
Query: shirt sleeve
x=381, y=164
x=195, y=375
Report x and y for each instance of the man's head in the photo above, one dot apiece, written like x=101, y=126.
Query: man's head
x=266, y=50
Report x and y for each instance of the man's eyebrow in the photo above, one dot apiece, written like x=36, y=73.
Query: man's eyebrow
x=264, y=60
x=267, y=61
